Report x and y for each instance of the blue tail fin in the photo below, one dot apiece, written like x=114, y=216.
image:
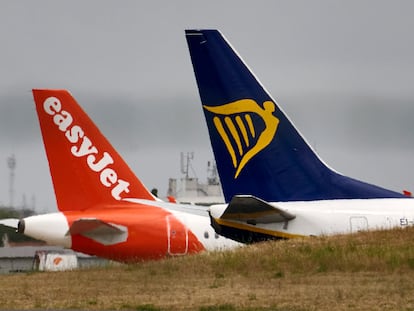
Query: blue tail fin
x=257, y=149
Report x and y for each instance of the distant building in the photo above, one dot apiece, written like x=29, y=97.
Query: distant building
x=190, y=190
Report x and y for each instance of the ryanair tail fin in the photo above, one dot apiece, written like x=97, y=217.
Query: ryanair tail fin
x=258, y=150
x=86, y=170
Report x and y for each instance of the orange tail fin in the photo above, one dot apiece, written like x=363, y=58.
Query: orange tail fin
x=86, y=170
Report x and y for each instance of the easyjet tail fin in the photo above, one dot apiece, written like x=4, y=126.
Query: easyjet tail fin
x=258, y=150
x=86, y=170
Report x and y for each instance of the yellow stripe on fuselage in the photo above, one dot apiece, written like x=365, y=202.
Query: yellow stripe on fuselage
x=242, y=226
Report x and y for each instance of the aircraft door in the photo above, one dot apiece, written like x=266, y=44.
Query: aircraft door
x=177, y=236
x=358, y=223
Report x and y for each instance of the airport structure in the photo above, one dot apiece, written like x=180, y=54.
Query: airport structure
x=44, y=258
x=189, y=190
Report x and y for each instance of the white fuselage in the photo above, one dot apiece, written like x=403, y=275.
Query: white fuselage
x=54, y=228
x=312, y=218
x=328, y=217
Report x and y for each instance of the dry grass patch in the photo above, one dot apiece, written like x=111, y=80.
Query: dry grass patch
x=369, y=270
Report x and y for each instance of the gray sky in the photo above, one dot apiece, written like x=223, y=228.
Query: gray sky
x=342, y=70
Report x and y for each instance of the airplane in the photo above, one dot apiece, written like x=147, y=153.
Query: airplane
x=274, y=183
x=104, y=209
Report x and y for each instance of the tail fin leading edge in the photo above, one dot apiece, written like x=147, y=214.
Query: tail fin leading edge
x=86, y=170
x=257, y=149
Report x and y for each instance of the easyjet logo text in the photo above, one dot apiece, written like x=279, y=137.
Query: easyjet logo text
x=83, y=147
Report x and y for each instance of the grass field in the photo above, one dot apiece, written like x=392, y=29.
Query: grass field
x=364, y=271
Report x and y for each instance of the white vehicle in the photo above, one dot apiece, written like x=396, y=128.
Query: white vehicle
x=54, y=261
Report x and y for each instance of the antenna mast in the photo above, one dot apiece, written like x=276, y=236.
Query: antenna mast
x=11, y=163
x=185, y=166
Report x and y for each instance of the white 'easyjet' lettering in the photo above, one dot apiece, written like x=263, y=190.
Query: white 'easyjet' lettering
x=74, y=133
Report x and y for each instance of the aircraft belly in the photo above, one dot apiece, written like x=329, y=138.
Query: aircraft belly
x=151, y=235
x=319, y=218
x=202, y=234
x=346, y=217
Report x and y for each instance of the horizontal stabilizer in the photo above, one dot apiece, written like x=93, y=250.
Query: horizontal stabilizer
x=254, y=210
x=10, y=222
x=98, y=230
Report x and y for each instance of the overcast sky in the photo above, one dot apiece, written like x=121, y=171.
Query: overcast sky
x=342, y=70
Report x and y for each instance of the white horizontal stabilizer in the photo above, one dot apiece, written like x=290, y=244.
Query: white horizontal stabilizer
x=10, y=222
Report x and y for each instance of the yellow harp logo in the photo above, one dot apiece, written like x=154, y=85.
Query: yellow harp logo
x=234, y=120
